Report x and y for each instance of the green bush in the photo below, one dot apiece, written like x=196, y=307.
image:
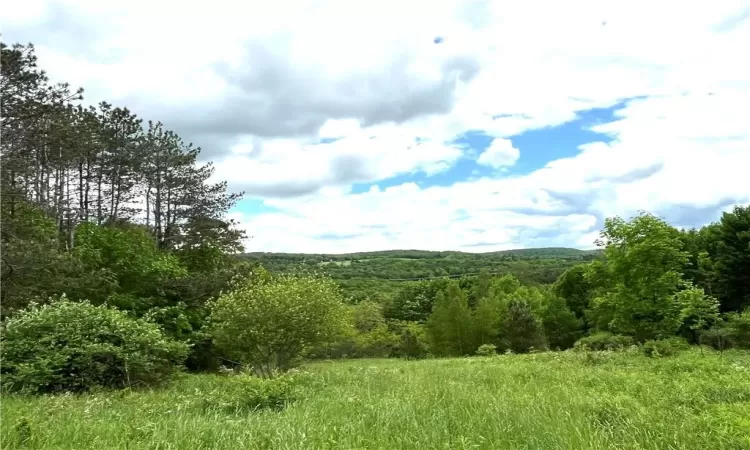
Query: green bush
x=72, y=346
x=603, y=341
x=487, y=350
x=718, y=337
x=272, y=324
x=246, y=393
x=664, y=347
x=739, y=329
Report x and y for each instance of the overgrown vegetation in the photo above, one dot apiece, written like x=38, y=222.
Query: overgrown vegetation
x=120, y=269
x=74, y=346
x=555, y=400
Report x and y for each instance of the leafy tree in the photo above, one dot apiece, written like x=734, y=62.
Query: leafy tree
x=73, y=346
x=639, y=277
x=487, y=318
x=699, y=311
x=507, y=284
x=127, y=260
x=701, y=247
x=521, y=330
x=367, y=316
x=272, y=324
x=575, y=289
x=449, y=327
x=561, y=326
x=732, y=260
x=413, y=342
x=415, y=301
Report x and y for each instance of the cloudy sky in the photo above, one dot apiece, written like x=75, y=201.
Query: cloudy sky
x=463, y=125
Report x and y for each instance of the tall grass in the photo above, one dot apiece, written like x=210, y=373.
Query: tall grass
x=539, y=401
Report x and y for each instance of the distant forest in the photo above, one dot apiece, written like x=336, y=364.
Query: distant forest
x=378, y=275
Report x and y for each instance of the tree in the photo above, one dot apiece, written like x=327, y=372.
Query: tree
x=449, y=327
x=699, y=311
x=487, y=318
x=561, y=326
x=272, y=324
x=732, y=260
x=414, y=302
x=639, y=277
x=520, y=329
x=575, y=289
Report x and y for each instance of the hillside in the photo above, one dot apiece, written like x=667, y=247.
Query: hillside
x=362, y=274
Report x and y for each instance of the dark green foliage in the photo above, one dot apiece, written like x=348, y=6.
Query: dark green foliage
x=738, y=325
x=575, y=289
x=412, y=341
x=664, y=347
x=732, y=259
x=718, y=337
x=521, y=331
x=603, y=341
x=23, y=432
x=72, y=346
x=561, y=326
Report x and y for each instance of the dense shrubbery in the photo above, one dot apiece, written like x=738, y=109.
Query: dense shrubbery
x=487, y=350
x=733, y=332
x=603, y=341
x=69, y=345
x=664, y=347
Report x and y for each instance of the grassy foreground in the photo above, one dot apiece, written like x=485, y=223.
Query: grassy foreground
x=539, y=401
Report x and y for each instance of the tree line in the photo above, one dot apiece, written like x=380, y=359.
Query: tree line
x=97, y=205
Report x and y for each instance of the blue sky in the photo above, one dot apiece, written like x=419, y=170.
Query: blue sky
x=537, y=148
x=535, y=121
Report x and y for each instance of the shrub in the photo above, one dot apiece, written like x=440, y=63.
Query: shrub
x=72, y=346
x=245, y=393
x=487, y=350
x=718, y=337
x=664, y=347
x=603, y=341
x=739, y=329
x=734, y=332
x=271, y=324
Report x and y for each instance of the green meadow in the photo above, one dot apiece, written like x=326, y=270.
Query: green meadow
x=552, y=400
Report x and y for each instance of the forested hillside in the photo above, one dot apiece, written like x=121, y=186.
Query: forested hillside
x=377, y=275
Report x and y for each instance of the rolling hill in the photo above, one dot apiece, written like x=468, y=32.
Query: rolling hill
x=379, y=274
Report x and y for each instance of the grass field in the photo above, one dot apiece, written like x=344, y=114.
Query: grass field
x=539, y=401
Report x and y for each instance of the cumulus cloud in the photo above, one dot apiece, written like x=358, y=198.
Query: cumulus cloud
x=295, y=101
x=500, y=153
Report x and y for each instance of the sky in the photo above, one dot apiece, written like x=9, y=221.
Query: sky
x=446, y=125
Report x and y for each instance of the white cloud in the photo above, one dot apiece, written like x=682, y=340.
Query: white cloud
x=500, y=153
x=261, y=85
